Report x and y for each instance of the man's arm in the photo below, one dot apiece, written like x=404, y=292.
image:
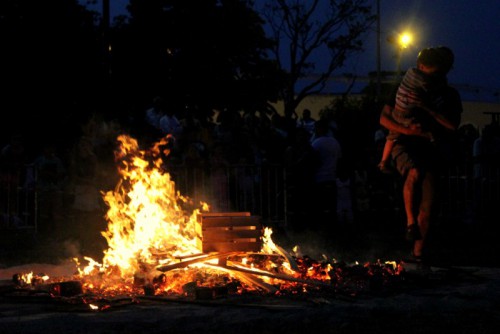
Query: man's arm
x=441, y=119
x=388, y=122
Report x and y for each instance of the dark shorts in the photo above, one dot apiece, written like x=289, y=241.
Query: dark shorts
x=414, y=152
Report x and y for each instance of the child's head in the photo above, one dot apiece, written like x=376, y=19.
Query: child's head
x=428, y=61
x=432, y=60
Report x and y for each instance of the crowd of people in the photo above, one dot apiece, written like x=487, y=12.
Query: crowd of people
x=325, y=188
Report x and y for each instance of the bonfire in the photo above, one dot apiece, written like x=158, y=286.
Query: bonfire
x=153, y=239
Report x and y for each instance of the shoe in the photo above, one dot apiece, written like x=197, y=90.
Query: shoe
x=413, y=233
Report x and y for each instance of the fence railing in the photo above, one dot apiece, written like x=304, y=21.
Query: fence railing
x=469, y=196
x=256, y=189
x=18, y=200
x=260, y=190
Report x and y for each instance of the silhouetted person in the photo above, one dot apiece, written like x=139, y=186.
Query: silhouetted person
x=329, y=153
x=301, y=162
x=50, y=185
x=306, y=122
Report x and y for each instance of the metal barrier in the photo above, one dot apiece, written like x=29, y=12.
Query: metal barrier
x=251, y=188
x=260, y=190
x=469, y=196
x=18, y=199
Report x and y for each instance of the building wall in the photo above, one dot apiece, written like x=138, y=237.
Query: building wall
x=474, y=112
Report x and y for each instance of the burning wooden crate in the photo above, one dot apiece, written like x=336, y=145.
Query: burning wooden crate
x=229, y=232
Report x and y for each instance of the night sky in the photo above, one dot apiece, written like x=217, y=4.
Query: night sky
x=470, y=28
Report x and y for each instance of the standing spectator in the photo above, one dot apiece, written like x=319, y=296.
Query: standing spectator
x=13, y=159
x=486, y=152
x=345, y=214
x=300, y=163
x=50, y=184
x=306, y=122
x=325, y=176
x=87, y=216
x=154, y=113
x=151, y=131
x=83, y=176
x=219, y=177
x=169, y=124
x=486, y=157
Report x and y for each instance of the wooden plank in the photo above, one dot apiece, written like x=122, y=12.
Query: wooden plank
x=225, y=214
x=279, y=276
x=231, y=221
x=249, y=279
x=200, y=217
x=232, y=247
x=293, y=264
x=183, y=264
x=228, y=235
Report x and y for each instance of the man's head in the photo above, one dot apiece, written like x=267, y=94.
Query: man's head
x=321, y=127
x=446, y=58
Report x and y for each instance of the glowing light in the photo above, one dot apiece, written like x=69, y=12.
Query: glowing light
x=405, y=40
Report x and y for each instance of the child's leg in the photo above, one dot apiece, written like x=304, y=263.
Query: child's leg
x=386, y=155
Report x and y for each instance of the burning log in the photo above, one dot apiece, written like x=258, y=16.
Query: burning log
x=276, y=275
x=293, y=264
x=30, y=284
x=64, y=289
x=247, y=278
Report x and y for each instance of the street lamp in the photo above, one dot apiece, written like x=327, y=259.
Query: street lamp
x=402, y=41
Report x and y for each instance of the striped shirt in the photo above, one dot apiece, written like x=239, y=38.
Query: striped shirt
x=416, y=88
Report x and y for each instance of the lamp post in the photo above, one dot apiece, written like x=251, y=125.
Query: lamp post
x=379, y=83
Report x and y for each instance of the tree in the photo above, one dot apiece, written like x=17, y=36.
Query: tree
x=205, y=54
x=305, y=30
x=50, y=61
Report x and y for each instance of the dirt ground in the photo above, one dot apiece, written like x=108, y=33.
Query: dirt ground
x=429, y=303
x=458, y=293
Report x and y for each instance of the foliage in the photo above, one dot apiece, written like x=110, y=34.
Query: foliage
x=307, y=30
x=62, y=62
x=200, y=54
x=50, y=59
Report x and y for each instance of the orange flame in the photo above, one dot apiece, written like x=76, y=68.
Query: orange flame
x=148, y=222
x=145, y=214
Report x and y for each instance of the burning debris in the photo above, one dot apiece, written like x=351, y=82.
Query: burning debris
x=162, y=244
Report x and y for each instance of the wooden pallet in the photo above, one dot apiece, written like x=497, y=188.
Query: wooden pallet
x=229, y=232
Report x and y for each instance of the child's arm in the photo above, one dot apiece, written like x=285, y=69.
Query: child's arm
x=388, y=122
